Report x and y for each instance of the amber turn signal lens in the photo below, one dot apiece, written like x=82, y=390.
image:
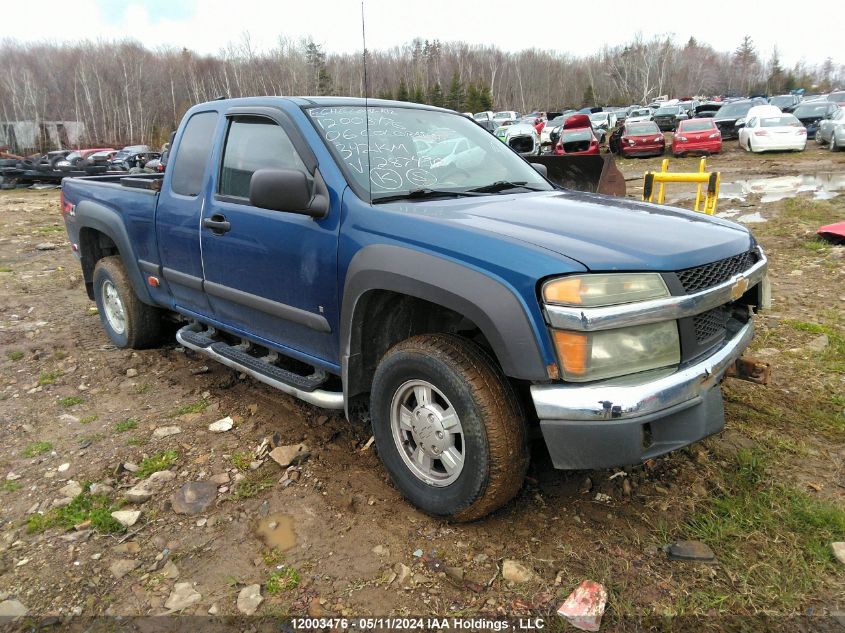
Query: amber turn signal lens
x=572, y=348
x=565, y=291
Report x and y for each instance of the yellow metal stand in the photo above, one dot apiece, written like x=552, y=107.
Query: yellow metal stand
x=663, y=176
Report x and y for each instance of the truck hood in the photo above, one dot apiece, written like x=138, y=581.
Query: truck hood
x=603, y=233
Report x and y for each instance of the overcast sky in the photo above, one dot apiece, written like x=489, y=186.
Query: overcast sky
x=207, y=25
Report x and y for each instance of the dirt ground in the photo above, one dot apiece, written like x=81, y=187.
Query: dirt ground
x=766, y=494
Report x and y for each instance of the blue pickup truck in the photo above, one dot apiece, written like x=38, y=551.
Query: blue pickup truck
x=399, y=257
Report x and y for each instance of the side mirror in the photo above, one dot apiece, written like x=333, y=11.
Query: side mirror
x=541, y=169
x=286, y=190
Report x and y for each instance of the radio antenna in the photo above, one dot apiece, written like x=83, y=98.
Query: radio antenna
x=366, y=102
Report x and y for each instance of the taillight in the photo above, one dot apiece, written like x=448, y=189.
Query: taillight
x=802, y=131
x=66, y=207
x=683, y=139
x=714, y=135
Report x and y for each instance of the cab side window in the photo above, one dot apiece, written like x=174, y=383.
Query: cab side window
x=192, y=154
x=254, y=143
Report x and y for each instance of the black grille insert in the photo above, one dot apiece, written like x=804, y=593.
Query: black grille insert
x=709, y=275
x=709, y=324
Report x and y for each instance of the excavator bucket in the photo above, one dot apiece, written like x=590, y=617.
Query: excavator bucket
x=596, y=174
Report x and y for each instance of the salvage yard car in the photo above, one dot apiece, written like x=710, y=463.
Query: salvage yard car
x=642, y=139
x=810, y=113
x=832, y=130
x=696, y=136
x=305, y=242
x=781, y=132
x=577, y=137
x=668, y=117
x=731, y=116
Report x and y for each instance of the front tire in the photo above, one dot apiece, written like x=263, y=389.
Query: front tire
x=448, y=427
x=127, y=321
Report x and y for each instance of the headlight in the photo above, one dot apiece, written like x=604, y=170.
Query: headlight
x=587, y=356
x=604, y=289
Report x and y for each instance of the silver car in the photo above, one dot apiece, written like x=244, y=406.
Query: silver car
x=832, y=130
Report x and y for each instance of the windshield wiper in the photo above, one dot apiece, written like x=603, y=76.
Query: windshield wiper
x=419, y=194
x=502, y=185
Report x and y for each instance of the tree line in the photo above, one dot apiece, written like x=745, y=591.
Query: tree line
x=126, y=93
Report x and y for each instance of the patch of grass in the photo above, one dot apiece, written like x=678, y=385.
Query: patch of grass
x=195, y=407
x=15, y=355
x=282, y=580
x=159, y=461
x=52, y=228
x=36, y=523
x=88, y=419
x=241, y=460
x=84, y=507
x=143, y=388
x=11, y=486
x=273, y=557
x=137, y=441
x=772, y=540
x=48, y=377
x=253, y=484
x=37, y=448
x=70, y=401
x=833, y=356
x=5, y=269
x=815, y=245
x=127, y=425
x=91, y=439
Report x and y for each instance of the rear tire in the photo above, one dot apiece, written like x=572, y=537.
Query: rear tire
x=432, y=378
x=127, y=321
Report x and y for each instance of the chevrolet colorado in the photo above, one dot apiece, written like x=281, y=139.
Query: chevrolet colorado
x=399, y=255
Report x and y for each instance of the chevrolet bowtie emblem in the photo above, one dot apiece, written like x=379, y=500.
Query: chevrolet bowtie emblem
x=739, y=288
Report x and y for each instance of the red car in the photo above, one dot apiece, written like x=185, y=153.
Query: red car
x=642, y=138
x=696, y=135
x=577, y=137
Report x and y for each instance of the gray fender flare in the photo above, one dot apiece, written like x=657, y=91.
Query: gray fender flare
x=492, y=306
x=91, y=215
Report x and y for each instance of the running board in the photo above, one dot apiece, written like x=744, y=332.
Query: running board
x=302, y=387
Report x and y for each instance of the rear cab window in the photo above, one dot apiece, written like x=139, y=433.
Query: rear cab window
x=192, y=154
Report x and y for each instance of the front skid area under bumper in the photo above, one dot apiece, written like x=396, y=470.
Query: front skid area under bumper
x=626, y=421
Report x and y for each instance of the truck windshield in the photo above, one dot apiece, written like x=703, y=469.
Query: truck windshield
x=410, y=149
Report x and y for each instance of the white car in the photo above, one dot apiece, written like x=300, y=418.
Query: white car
x=603, y=123
x=506, y=115
x=545, y=134
x=760, y=111
x=767, y=133
x=487, y=115
x=639, y=115
x=521, y=137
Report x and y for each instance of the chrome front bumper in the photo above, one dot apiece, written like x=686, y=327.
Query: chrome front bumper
x=639, y=394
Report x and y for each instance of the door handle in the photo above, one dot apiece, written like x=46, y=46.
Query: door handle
x=217, y=223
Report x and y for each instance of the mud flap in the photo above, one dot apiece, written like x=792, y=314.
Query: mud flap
x=595, y=174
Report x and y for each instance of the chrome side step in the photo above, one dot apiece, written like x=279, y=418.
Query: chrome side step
x=198, y=340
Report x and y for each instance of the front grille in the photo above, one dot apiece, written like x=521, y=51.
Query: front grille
x=709, y=324
x=709, y=275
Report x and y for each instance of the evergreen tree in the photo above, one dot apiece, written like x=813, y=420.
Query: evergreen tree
x=776, y=76
x=386, y=94
x=419, y=95
x=402, y=92
x=325, y=86
x=485, y=99
x=589, y=98
x=456, y=99
x=472, y=102
x=435, y=96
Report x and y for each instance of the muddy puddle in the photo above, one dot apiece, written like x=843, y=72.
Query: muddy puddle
x=276, y=530
x=822, y=186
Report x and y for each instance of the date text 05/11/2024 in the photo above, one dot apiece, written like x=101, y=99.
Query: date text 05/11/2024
x=418, y=624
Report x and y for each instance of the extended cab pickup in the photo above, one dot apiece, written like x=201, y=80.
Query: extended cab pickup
x=400, y=256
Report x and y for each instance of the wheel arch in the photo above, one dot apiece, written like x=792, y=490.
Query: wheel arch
x=396, y=284
x=103, y=234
